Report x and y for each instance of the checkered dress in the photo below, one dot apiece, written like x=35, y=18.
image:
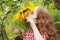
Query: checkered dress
x=29, y=35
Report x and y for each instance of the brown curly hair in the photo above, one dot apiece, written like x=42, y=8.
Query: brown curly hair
x=45, y=24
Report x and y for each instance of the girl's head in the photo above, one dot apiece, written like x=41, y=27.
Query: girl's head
x=44, y=23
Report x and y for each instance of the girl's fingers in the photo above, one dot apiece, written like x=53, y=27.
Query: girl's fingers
x=30, y=17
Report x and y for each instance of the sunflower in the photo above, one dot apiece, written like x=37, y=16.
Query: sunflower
x=21, y=15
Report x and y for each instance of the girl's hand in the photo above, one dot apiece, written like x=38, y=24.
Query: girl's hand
x=30, y=17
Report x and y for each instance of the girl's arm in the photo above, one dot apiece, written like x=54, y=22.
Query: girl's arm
x=37, y=35
x=30, y=18
x=13, y=30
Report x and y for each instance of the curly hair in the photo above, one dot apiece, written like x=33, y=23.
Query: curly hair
x=45, y=24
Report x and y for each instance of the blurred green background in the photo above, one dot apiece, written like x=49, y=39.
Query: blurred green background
x=8, y=8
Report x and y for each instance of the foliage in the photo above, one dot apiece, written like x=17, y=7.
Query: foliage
x=55, y=13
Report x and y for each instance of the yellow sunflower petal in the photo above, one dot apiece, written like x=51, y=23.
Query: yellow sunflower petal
x=31, y=7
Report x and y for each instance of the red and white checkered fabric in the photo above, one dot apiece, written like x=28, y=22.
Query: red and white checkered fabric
x=28, y=35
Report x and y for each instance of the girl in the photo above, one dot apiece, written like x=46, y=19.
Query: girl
x=41, y=24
